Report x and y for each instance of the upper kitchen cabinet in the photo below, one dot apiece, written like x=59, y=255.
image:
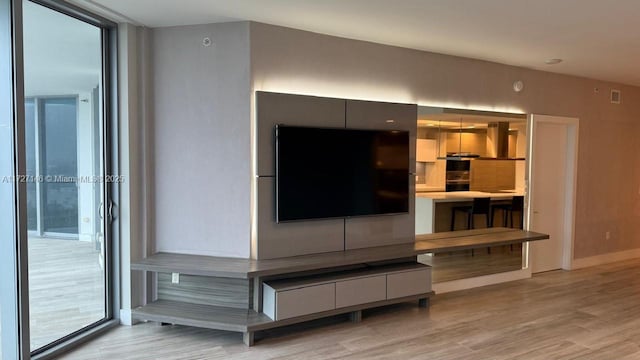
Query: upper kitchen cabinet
x=473, y=134
x=426, y=150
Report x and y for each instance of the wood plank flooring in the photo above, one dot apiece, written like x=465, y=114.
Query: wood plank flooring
x=66, y=288
x=591, y=313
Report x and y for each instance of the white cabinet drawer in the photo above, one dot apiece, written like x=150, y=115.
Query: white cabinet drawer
x=302, y=301
x=408, y=283
x=361, y=291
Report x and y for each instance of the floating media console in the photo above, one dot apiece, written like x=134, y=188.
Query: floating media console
x=290, y=298
x=247, y=295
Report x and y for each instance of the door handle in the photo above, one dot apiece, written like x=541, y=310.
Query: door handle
x=110, y=211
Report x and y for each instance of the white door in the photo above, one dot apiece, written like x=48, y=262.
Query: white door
x=551, y=186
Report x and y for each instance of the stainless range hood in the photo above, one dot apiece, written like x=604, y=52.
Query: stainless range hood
x=498, y=140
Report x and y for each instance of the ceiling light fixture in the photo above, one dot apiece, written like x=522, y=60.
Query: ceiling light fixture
x=553, y=61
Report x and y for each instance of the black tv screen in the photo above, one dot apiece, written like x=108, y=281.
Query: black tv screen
x=332, y=173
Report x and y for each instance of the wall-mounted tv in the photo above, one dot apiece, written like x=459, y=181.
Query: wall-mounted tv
x=334, y=173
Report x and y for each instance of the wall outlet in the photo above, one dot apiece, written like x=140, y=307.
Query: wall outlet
x=607, y=235
x=175, y=278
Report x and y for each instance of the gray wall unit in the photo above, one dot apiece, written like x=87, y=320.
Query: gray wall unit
x=294, y=238
x=375, y=115
x=273, y=240
x=205, y=290
x=390, y=229
x=289, y=109
x=381, y=230
x=202, y=139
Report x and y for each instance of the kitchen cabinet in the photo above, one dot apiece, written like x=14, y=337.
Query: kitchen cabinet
x=426, y=150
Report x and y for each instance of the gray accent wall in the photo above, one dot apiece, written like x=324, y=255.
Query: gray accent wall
x=273, y=240
x=202, y=139
x=608, y=185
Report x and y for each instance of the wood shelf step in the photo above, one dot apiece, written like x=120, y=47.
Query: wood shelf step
x=250, y=268
x=203, y=316
x=241, y=320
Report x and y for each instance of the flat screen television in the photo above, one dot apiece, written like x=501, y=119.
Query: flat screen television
x=334, y=173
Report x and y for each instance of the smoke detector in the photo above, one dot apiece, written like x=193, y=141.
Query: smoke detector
x=518, y=86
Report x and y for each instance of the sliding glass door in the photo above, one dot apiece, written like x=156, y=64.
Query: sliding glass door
x=66, y=163
x=52, y=153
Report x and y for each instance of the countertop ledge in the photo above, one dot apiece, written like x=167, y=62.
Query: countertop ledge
x=250, y=268
x=467, y=195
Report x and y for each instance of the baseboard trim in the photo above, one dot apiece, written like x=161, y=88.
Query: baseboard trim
x=462, y=284
x=605, y=259
x=126, y=317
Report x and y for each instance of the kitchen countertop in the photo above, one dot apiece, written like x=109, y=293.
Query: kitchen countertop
x=423, y=188
x=467, y=195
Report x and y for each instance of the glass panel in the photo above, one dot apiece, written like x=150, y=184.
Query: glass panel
x=60, y=166
x=63, y=80
x=30, y=144
x=476, y=138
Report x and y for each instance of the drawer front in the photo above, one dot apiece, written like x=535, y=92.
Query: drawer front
x=306, y=300
x=408, y=283
x=361, y=291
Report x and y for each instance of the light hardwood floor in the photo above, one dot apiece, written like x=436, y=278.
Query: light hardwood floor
x=66, y=288
x=591, y=313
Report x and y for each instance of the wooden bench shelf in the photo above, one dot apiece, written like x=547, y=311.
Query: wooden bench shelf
x=238, y=320
x=204, y=316
x=249, y=268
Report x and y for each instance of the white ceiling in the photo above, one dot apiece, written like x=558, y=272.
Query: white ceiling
x=596, y=38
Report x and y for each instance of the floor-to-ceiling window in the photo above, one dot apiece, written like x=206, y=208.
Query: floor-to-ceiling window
x=67, y=192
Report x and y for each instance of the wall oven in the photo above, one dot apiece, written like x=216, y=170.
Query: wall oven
x=457, y=175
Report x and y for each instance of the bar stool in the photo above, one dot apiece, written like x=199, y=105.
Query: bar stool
x=517, y=205
x=481, y=206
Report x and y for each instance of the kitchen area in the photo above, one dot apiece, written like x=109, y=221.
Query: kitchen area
x=470, y=174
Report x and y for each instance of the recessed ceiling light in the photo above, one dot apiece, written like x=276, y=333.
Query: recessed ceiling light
x=552, y=61
x=390, y=121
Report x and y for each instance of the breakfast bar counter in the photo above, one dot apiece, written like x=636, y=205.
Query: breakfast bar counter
x=433, y=209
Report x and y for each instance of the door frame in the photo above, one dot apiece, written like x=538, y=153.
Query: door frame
x=571, y=151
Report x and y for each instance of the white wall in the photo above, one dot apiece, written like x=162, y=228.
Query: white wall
x=203, y=105
x=202, y=139
x=287, y=60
